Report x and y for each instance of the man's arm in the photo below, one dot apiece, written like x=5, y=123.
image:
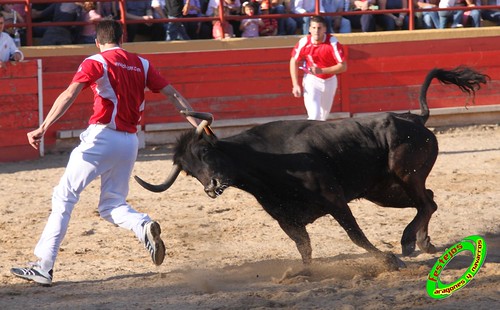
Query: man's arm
x=179, y=101
x=294, y=75
x=335, y=69
x=60, y=106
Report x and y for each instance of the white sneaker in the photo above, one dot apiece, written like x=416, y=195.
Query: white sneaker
x=153, y=242
x=34, y=273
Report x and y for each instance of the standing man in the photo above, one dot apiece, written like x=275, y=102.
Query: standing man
x=321, y=57
x=108, y=147
x=8, y=49
x=176, y=9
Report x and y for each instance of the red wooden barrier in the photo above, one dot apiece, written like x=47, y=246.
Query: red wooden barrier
x=18, y=110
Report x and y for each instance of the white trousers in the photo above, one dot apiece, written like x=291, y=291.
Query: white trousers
x=102, y=152
x=318, y=96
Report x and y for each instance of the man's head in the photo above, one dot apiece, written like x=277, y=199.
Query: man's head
x=109, y=32
x=317, y=28
x=2, y=23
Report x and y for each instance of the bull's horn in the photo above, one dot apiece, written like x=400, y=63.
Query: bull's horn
x=176, y=169
x=199, y=115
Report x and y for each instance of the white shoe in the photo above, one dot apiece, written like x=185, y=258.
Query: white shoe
x=34, y=273
x=153, y=242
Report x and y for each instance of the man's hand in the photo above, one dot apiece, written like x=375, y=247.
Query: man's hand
x=16, y=56
x=296, y=91
x=35, y=137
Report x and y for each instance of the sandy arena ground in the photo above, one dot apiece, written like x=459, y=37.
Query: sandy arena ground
x=228, y=253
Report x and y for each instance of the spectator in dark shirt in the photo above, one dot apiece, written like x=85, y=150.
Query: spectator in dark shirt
x=59, y=12
x=141, y=10
x=176, y=9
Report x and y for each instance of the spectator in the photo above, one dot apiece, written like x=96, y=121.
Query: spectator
x=393, y=21
x=108, y=9
x=492, y=15
x=176, y=9
x=222, y=30
x=231, y=7
x=89, y=14
x=8, y=49
x=324, y=57
x=337, y=23
x=194, y=10
x=305, y=6
x=142, y=10
x=286, y=25
x=59, y=12
x=473, y=15
x=11, y=16
x=270, y=27
x=249, y=27
x=365, y=22
x=429, y=19
x=39, y=31
x=445, y=16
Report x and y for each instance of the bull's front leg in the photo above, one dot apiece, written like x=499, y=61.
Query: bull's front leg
x=301, y=238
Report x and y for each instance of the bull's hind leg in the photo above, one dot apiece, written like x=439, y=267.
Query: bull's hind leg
x=417, y=230
x=344, y=217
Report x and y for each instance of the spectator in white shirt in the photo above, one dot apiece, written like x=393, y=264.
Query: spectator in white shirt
x=8, y=49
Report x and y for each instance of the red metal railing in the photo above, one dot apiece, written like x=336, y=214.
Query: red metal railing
x=29, y=24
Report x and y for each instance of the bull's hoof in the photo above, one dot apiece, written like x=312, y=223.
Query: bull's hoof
x=393, y=263
x=426, y=246
x=408, y=248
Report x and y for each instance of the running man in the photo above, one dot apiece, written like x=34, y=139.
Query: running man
x=321, y=57
x=108, y=147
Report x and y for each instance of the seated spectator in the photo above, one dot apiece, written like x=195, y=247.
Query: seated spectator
x=8, y=49
x=365, y=22
x=492, y=15
x=474, y=16
x=305, y=6
x=89, y=14
x=176, y=9
x=337, y=23
x=142, y=10
x=11, y=16
x=231, y=7
x=429, y=19
x=249, y=27
x=222, y=30
x=59, y=12
x=456, y=17
x=108, y=9
x=37, y=30
x=393, y=21
x=194, y=10
x=286, y=25
x=270, y=27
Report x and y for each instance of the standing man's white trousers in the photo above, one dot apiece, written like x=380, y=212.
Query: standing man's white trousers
x=318, y=96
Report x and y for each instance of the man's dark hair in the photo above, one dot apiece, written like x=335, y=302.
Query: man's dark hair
x=318, y=19
x=109, y=31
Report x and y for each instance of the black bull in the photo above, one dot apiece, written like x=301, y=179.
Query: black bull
x=302, y=170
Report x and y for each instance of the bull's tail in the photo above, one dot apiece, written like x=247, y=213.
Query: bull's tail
x=467, y=79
